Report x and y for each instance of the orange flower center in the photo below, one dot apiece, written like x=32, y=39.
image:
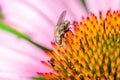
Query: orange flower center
x=92, y=51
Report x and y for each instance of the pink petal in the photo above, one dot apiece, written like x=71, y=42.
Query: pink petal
x=95, y=6
x=20, y=58
x=115, y=4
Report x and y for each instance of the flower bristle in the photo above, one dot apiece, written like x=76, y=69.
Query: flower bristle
x=91, y=52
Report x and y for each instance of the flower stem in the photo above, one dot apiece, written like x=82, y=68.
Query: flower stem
x=1, y=15
x=38, y=78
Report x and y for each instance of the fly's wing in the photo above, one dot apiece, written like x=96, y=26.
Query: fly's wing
x=61, y=18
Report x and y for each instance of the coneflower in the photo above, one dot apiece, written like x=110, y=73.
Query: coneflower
x=91, y=52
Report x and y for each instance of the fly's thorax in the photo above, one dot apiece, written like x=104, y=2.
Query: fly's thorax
x=66, y=23
x=64, y=26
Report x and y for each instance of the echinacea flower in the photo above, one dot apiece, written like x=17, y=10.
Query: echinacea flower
x=91, y=51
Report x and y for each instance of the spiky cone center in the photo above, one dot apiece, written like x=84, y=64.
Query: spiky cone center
x=91, y=52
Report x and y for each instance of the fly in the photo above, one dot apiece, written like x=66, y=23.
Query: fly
x=61, y=28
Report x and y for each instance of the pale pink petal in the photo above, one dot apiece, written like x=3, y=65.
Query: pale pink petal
x=18, y=64
x=19, y=58
x=30, y=24
x=115, y=4
x=10, y=41
x=95, y=6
